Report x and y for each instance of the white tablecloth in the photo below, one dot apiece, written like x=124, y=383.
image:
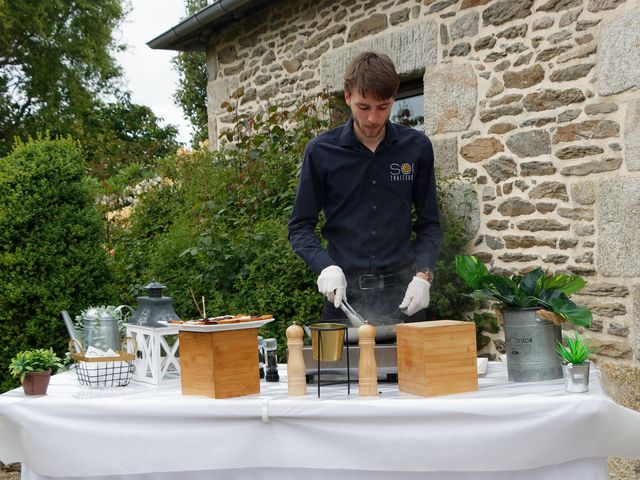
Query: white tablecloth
x=139, y=429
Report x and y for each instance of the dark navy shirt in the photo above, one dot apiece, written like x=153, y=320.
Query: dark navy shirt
x=367, y=199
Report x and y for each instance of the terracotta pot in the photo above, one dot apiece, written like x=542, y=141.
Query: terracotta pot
x=36, y=383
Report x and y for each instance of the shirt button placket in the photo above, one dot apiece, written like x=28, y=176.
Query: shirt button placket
x=373, y=217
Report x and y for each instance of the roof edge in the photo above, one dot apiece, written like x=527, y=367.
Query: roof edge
x=187, y=35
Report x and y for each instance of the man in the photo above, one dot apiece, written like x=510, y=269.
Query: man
x=366, y=176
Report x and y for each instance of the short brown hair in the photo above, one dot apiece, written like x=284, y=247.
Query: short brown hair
x=373, y=75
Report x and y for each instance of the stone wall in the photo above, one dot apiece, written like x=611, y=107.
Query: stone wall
x=539, y=99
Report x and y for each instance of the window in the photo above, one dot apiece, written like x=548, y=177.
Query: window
x=408, y=109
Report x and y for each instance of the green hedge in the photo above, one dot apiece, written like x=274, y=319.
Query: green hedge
x=51, y=247
x=218, y=228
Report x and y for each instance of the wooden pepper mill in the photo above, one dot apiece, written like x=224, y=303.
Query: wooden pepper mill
x=367, y=368
x=296, y=369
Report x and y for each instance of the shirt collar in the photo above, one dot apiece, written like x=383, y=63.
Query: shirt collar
x=348, y=135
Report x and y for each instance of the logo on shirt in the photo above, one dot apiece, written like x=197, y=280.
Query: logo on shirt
x=401, y=172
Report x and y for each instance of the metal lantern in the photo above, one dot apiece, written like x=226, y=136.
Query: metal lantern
x=154, y=307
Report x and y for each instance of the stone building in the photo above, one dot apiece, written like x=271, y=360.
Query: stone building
x=540, y=99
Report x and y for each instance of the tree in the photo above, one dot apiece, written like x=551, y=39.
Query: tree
x=123, y=133
x=191, y=94
x=51, y=247
x=55, y=61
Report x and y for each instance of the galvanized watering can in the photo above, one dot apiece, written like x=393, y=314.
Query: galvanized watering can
x=98, y=328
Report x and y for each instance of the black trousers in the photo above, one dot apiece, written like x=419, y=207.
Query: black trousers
x=375, y=298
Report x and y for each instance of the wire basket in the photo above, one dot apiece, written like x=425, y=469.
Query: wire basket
x=104, y=371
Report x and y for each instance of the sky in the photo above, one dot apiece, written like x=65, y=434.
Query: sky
x=148, y=73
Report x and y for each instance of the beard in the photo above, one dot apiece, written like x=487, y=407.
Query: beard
x=374, y=131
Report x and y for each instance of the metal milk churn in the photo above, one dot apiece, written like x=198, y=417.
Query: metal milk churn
x=153, y=308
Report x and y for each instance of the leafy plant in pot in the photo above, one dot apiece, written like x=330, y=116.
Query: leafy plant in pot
x=532, y=308
x=575, y=353
x=34, y=368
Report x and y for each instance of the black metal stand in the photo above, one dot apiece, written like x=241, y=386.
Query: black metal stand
x=332, y=329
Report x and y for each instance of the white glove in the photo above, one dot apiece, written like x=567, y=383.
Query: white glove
x=333, y=284
x=417, y=296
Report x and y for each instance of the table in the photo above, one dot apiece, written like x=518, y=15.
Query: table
x=504, y=431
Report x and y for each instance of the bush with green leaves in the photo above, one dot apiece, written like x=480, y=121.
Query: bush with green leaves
x=51, y=246
x=456, y=196
x=218, y=228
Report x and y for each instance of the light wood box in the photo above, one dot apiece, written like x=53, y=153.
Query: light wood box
x=437, y=357
x=219, y=364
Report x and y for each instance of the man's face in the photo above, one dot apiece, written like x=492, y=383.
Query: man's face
x=369, y=115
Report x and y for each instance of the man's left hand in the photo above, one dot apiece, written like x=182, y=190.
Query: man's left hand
x=416, y=298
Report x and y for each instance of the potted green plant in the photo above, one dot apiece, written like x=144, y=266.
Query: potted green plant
x=575, y=353
x=34, y=368
x=532, y=308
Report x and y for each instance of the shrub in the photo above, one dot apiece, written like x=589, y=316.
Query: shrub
x=51, y=255
x=218, y=228
x=455, y=197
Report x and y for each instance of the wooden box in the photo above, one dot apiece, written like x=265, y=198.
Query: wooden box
x=219, y=364
x=437, y=357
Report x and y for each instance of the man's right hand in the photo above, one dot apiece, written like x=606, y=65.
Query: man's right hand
x=333, y=284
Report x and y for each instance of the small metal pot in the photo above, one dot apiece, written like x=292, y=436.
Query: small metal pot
x=576, y=377
x=327, y=340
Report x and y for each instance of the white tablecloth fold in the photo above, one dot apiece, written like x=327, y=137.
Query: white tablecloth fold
x=584, y=469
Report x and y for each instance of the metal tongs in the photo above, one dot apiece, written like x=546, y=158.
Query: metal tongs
x=354, y=317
